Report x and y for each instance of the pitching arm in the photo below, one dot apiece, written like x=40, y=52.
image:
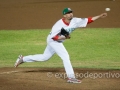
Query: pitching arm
x=99, y=16
x=91, y=19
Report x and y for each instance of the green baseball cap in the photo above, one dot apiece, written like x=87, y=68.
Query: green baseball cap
x=66, y=10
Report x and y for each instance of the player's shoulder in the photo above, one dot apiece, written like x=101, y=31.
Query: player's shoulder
x=78, y=19
x=75, y=19
x=57, y=24
x=59, y=21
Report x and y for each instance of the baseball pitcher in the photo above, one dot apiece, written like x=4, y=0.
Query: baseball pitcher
x=61, y=31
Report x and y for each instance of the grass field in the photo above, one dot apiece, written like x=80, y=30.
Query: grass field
x=88, y=48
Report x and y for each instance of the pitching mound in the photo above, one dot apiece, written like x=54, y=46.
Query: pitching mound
x=55, y=79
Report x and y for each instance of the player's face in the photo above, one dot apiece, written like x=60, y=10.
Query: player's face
x=69, y=16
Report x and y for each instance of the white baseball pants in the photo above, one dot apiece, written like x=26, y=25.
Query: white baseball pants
x=53, y=47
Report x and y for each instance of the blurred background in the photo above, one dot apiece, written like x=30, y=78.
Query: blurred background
x=42, y=14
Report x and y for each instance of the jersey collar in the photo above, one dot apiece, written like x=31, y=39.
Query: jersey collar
x=65, y=22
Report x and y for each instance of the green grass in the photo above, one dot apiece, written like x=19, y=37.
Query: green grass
x=88, y=48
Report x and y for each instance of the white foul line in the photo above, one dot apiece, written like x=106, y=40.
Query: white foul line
x=9, y=72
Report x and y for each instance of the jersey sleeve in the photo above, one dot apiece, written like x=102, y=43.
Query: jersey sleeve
x=76, y=23
x=55, y=29
x=82, y=22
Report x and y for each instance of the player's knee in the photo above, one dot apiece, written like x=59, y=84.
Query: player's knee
x=66, y=58
x=45, y=58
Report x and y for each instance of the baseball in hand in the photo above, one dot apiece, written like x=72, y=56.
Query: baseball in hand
x=107, y=9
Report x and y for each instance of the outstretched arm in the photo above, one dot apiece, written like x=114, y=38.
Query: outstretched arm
x=91, y=19
x=103, y=15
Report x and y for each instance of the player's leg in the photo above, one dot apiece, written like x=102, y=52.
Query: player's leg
x=63, y=54
x=38, y=57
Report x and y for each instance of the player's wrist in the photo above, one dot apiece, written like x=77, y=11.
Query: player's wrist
x=61, y=37
x=68, y=37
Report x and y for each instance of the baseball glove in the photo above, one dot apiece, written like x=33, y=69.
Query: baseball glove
x=65, y=33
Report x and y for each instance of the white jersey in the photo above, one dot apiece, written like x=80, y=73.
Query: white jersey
x=74, y=24
x=57, y=47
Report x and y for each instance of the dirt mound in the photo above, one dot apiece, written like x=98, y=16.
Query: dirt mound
x=55, y=79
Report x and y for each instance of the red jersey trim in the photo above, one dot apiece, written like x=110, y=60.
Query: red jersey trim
x=55, y=38
x=90, y=20
x=65, y=22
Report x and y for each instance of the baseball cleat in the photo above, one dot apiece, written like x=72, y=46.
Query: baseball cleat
x=19, y=61
x=73, y=80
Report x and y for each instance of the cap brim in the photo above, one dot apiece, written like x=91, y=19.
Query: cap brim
x=68, y=12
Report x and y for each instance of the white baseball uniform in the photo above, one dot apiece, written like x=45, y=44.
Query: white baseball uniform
x=58, y=47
